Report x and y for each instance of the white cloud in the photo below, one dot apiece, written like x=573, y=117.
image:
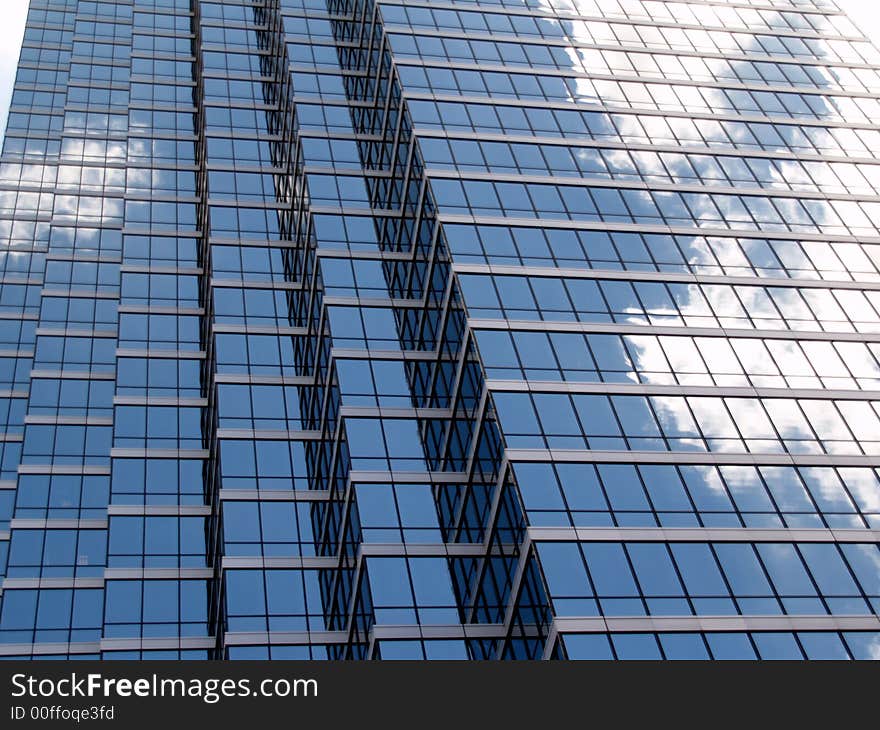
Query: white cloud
x=865, y=14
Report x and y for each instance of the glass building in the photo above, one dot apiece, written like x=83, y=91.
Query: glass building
x=517, y=329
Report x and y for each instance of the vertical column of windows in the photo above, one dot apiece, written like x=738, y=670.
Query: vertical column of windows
x=266, y=429
x=59, y=529
x=158, y=576
x=435, y=428
x=29, y=168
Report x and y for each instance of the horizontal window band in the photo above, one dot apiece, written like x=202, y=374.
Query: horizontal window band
x=157, y=309
x=356, y=212
x=251, y=329
x=624, y=47
x=163, y=232
x=695, y=391
x=653, y=228
x=372, y=302
x=630, y=77
x=357, y=476
x=42, y=420
x=648, y=111
x=369, y=550
x=630, y=624
x=245, y=284
x=40, y=649
x=110, y=574
x=12, y=281
x=245, y=379
x=550, y=272
x=287, y=638
x=587, y=181
x=11, y=584
x=607, y=143
x=130, y=453
x=182, y=643
x=557, y=15
x=702, y=534
x=281, y=563
x=162, y=354
x=246, y=204
x=158, y=574
x=314, y=168
x=386, y=412
x=428, y=631
x=617, y=328
x=271, y=495
x=84, y=470
x=219, y=240
x=154, y=400
x=542, y=12
x=686, y=458
x=375, y=255
x=159, y=269
x=238, y=434
x=100, y=258
x=344, y=353
x=78, y=294
x=62, y=332
x=215, y=73
x=20, y=523
x=170, y=510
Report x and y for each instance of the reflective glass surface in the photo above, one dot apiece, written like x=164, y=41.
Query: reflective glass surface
x=448, y=329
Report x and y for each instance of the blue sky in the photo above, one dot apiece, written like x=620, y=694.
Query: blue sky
x=11, y=31
x=865, y=14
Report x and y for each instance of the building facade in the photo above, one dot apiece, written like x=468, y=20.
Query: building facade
x=470, y=329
